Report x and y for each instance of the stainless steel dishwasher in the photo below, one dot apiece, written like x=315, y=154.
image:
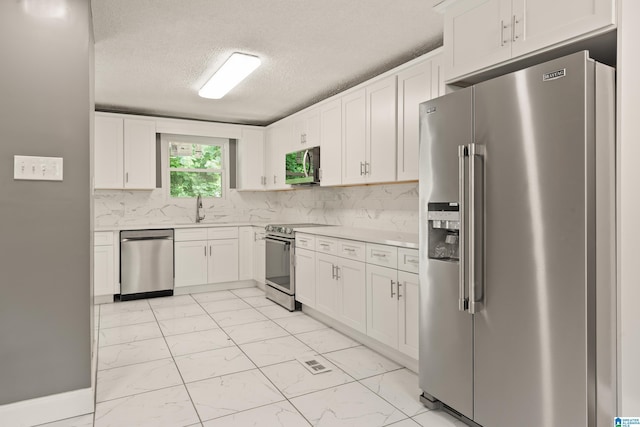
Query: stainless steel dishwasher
x=146, y=263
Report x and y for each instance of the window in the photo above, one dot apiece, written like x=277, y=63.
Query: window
x=195, y=169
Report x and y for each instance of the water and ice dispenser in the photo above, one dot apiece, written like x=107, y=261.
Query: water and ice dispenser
x=444, y=231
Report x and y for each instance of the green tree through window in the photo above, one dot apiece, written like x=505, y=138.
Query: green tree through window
x=195, y=169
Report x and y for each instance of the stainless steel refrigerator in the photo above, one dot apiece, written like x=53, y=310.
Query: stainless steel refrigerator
x=517, y=248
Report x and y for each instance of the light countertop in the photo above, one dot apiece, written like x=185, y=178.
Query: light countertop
x=383, y=237
x=188, y=225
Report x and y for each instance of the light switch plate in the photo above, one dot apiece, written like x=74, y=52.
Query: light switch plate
x=37, y=168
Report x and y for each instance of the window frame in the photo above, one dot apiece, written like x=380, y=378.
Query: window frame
x=223, y=143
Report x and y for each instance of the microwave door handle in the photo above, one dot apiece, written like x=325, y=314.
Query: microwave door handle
x=304, y=163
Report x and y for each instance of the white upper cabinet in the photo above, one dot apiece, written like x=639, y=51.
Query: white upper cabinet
x=125, y=153
x=139, y=154
x=414, y=87
x=475, y=35
x=481, y=33
x=331, y=143
x=380, y=162
x=278, y=143
x=251, y=160
x=306, y=130
x=542, y=23
x=369, y=133
x=109, y=152
x=354, y=123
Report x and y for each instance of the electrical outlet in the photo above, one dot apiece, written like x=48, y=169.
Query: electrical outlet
x=37, y=168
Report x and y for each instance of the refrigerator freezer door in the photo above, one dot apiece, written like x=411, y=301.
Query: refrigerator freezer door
x=530, y=339
x=445, y=354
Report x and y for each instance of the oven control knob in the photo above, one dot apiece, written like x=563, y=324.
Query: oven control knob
x=288, y=230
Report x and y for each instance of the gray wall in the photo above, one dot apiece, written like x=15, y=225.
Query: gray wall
x=44, y=239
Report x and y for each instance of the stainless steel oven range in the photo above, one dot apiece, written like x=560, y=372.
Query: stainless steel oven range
x=280, y=263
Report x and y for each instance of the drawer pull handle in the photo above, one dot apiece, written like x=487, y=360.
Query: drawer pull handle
x=411, y=260
x=378, y=255
x=399, y=284
x=350, y=250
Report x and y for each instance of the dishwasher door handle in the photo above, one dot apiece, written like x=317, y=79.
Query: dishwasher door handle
x=136, y=239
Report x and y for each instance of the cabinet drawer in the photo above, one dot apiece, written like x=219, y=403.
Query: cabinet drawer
x=222, y=233
x=103, y=238
x=408, y=260
x=385, y=256
x=352, y=249
x=305, y=241
x=189, y=234
x=327, y=245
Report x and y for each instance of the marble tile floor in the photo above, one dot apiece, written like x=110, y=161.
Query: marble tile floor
x=229, y=358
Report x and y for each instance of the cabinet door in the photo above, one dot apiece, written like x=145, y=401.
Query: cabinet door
x=326, y=285
x=438, y=87
x=408, y=319
x=306, y=130
x=352, y=297
x=259, y=252
x=312, y=128
x=331, y=143
x=108, y=152
x=250, y=161
x=103, y=270
x=245, y=253
x=542, y=23
x=191, y=263
x=478, y=34
x=414, y=87
x=382, y=304
x=277, y=145
x=305, y=276
x=381, y=131
x=139, y=154
x=354, y=123
x=223, y=260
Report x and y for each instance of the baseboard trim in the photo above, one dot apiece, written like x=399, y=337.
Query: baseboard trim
x=47, y=409
x=214, y=287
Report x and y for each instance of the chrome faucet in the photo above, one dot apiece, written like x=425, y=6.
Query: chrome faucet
x=199, y=217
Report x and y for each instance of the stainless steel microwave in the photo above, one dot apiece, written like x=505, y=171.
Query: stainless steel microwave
x=303, y=167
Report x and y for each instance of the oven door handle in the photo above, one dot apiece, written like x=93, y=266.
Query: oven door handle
x=278, y=241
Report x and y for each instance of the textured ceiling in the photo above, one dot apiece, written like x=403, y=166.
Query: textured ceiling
x=152, y=56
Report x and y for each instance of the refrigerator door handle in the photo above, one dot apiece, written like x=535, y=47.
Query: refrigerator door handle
x=475, y=150
x=462, y=301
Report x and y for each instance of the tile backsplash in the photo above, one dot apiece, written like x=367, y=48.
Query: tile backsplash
x=387, y=207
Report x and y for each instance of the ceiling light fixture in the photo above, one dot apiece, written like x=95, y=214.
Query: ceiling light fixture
x=232, y=72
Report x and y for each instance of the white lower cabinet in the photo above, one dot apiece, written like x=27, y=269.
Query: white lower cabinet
x=392, y=297
x=223, y=260
x=408, y=316
x=191, y=263
x=352, y=307
x=259, y=253
x=245, y=253
x=371, y=288
x=103, y=264
x=305, y=276
x=382, y=304
x=340, y=290
x=199, y=261
x=326, y=284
